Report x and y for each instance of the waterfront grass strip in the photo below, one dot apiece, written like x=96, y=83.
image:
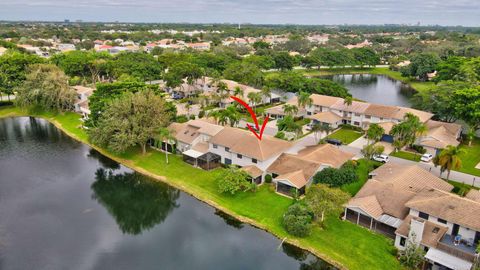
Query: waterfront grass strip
x=340, y=241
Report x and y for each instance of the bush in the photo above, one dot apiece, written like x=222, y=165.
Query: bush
x=232, y=180
x=201, y=114
x=268, y=179
x=192, y=117
x=337, y=177
x=297, y=220
x=181, y=119
x=280, y=135
x=419, y=149
x=352, y=127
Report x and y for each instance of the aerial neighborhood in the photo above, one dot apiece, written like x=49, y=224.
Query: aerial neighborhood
x=267, y=124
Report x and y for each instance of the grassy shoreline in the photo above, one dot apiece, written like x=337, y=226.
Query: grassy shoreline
x=342, y=244
x=418, y=86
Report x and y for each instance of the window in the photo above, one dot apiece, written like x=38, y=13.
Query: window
x=442, y=220
x=228, y=161
x=356, y=123
x=227, y=149
x=423, y=215
x=254, y=160
x=402, y=241
x=215, y=146
x=357, y=114
x=368, y=116
x=239, y=156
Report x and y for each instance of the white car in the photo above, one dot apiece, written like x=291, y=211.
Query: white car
x=426, y=157
x=381, y=158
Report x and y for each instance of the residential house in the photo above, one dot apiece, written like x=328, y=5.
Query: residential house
x=240, y=147
x=380, y=204
x=411, y=205
x=277, y=112
x=439, y=136
x=446, y=225
x=294, y=172
x=81, y=104
x=202, y=46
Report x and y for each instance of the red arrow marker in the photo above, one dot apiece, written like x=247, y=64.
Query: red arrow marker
x=254, y=117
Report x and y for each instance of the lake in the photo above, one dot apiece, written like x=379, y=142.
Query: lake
x=373, y=88
x=65, y=206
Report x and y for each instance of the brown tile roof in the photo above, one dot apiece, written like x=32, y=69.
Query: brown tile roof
x=201, y=147
x=252, y=170
x=297, y=178
x=368, y=204
x=187, y=134
x=356, y=107
x=324, y=101
x=439, y=138
x=83, y=89
x=409, y=177
x=473, y=195
x=326, y=117
x=383, y=111
x=432, y=232
x=387, y=126
x=287, y=163
x=390, y=198
x=452, y=128
x=325, y=154
x=447, y=206
x=205, y=127
x=245, y=143
x=189, y=131
x=422, y=115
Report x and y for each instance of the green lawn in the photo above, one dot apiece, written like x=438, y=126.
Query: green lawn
x=417, y=85
x=471, y=158
x=407, y=155
x=346, y=135
x=341, y=241
x=363, y=168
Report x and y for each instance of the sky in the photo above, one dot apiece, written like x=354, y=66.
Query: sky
x=427, y=12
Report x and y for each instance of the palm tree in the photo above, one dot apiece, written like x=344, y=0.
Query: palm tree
x=450, y=158
x=232, y=115
x=215, y=114
x=375, y=132
x=470, y=135
x=290, y=109
x=326, y=128
x=238, y=91
x=165, y=135
x=255, y=98
x=348, y=100
x=267, y=93
x=304, y=100
x=316, y=129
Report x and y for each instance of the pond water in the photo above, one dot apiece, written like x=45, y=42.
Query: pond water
x=379, y=89
x=65, y=206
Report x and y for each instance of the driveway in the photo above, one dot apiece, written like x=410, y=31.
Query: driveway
x=359, y=143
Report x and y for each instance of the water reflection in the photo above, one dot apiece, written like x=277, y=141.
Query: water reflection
x=136, y=203
x=229, y=220
x=104, y=161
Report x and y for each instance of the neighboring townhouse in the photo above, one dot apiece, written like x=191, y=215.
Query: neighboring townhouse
x=295, y=172
x=439, y=135
x=380, y=203
x=277, y=112
x=201, y=46
x=240, y=147
x=409, y=204
x=81, y=104
x=192, y=140
x=446, y=225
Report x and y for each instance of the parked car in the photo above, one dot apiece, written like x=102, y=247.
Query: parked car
x=426, y=157
x=334, y=141
x=381, y=158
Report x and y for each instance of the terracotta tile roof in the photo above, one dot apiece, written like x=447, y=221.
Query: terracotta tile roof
x=245, y=143
x=287, y=163
x=368, y=204
x=432, y=232
x=326, y=117
x=205, y=127
x=325, y=154
x=201, y=147
x=324, y=101
x=409, y=177
x=83, y=90
x=186, y=134
x=473, y=195
x=422, y=115
x=438, y=137
x=391, y=198
x=297, y=178
x=452, y=128
x=448, y=206
x=383, y=111
x=252, y=170
x=355, y=107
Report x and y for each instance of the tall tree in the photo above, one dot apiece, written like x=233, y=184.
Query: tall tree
x=14, y=69
x=375, y=132
x=421, y=64
x=290, y=109
x=46, y=86
x=450, y=159
x=304, y=100
x=255, y=98
x=165, y=135
x=132, y=119
x=324, y=200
